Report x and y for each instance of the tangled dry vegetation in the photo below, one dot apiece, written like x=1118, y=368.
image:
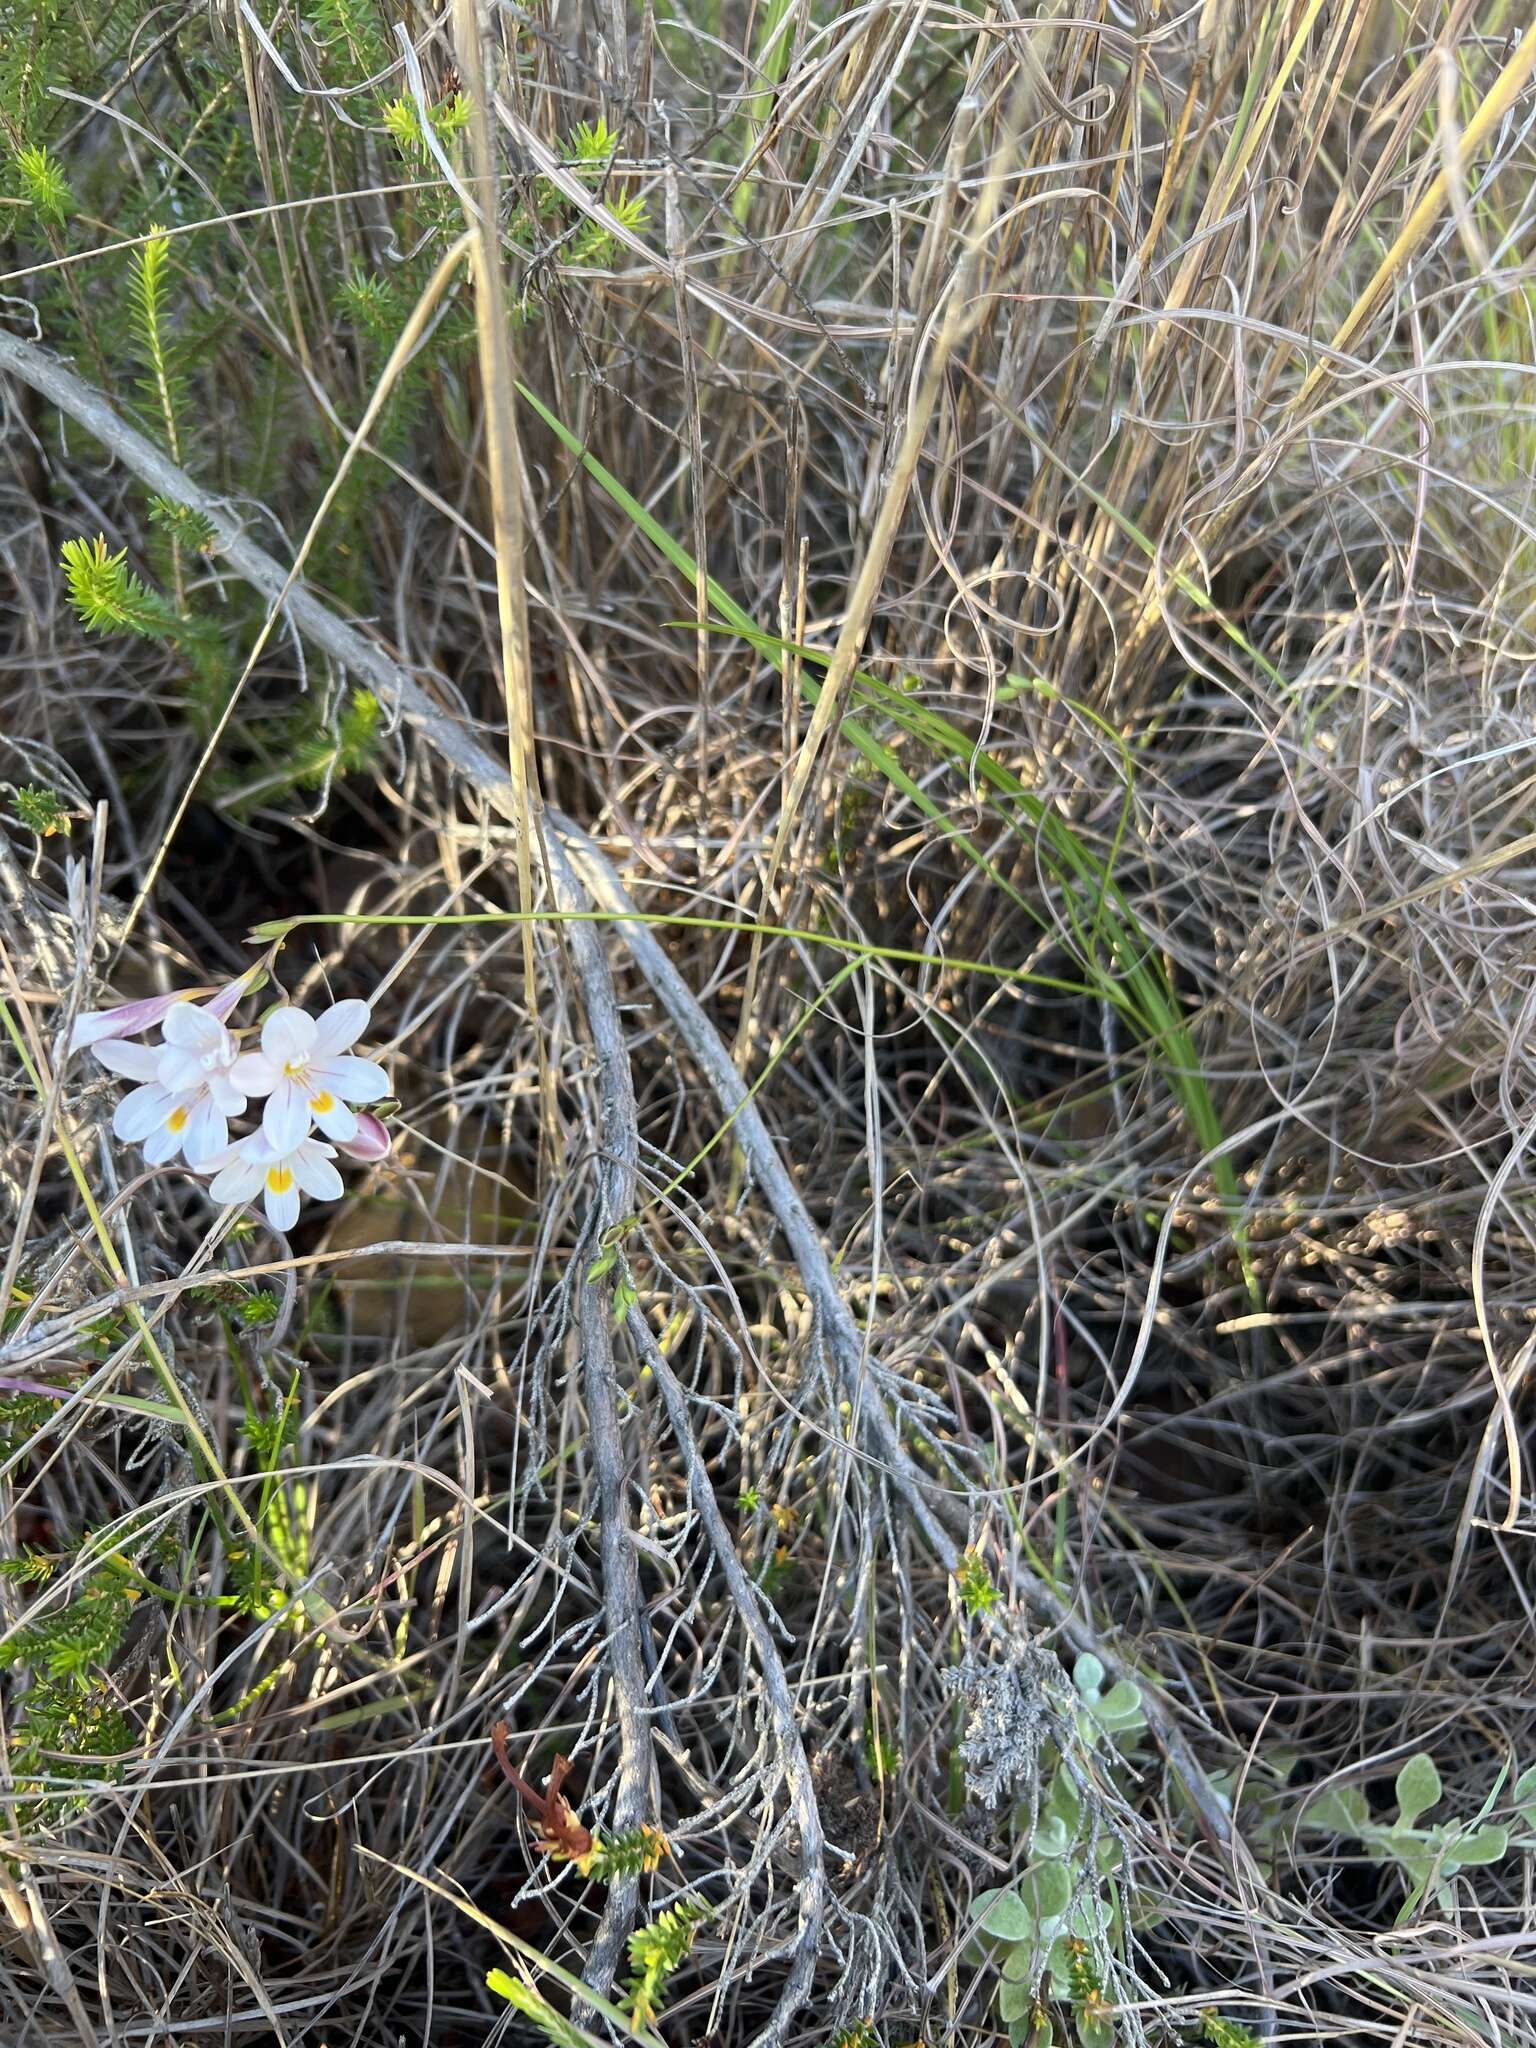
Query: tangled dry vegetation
x=1028, y=539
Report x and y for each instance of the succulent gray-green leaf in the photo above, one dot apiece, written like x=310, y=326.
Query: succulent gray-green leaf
x=1121, y=1705
x=1008, y=1918
x=1418, y=1789
x=1090, y=1917
x=1107, y=1855
x=1052, y=1885
x=1014, y=2000
x=1022, y=1960
x=1051, y=1838
x=1088, y=1675
x=1093, y=2033
x=1065, y=1801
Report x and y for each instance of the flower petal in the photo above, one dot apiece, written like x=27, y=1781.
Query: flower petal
x=340, y=1027
x=315, y=1173
x=191, y=1028
x=281, y=1204
x=128, y=1019
x=287, y=1036
x=238, y=1181
x=141, y=1111
x=206, y=1133
x=138, y=1062
x=285, y=1120
x=229, y=1097
x=371, y=1143
x=230, y=1156
x=255, y=1073
x=163, y=1143
x=334, y=1118
x=180, y=1071
x=352, y=1079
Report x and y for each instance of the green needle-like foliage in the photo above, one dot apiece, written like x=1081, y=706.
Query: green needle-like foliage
x=146, y=292
x=551, y=2024
x=107, y=595
x=655, y=1952
x=1225, y=2033
x=44, y=184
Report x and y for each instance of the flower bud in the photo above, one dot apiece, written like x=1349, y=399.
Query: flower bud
x=126, y=1021
x=371, y=1142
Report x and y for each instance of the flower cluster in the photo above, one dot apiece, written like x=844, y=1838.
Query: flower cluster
x=305, y=1076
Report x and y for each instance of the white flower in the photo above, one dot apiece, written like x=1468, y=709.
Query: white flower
x=188, y=1097
x=151, y=1116
x=308, y=1076
x=279, y=1176
x=165, y=1121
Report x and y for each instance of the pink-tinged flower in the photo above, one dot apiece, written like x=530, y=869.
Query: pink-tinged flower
x=371, y=1143
x=129, y=1019
x=126, y=1021
x=280, y=1176
x=163, y=1121
x=308, y=1075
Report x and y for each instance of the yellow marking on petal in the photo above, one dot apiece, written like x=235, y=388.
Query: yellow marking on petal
x=279, y=1179
x=322, y=1102
x=176, y=1122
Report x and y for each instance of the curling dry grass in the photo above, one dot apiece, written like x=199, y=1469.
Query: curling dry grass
x=1143, y=394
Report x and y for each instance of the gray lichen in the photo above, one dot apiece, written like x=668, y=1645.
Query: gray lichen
x=1008, y=1719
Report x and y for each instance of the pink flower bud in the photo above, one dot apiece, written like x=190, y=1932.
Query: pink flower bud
x=126, y=1021
x=371, y=1142
x=220, y=1005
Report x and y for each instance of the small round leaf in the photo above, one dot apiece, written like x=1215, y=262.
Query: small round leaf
x=1051, y=1837
x=1014, y=2000
x=1008, y=1918
x=1088, y=1675
x=1121, y=1704
x=1065, y=1802
x=1053, y=1891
